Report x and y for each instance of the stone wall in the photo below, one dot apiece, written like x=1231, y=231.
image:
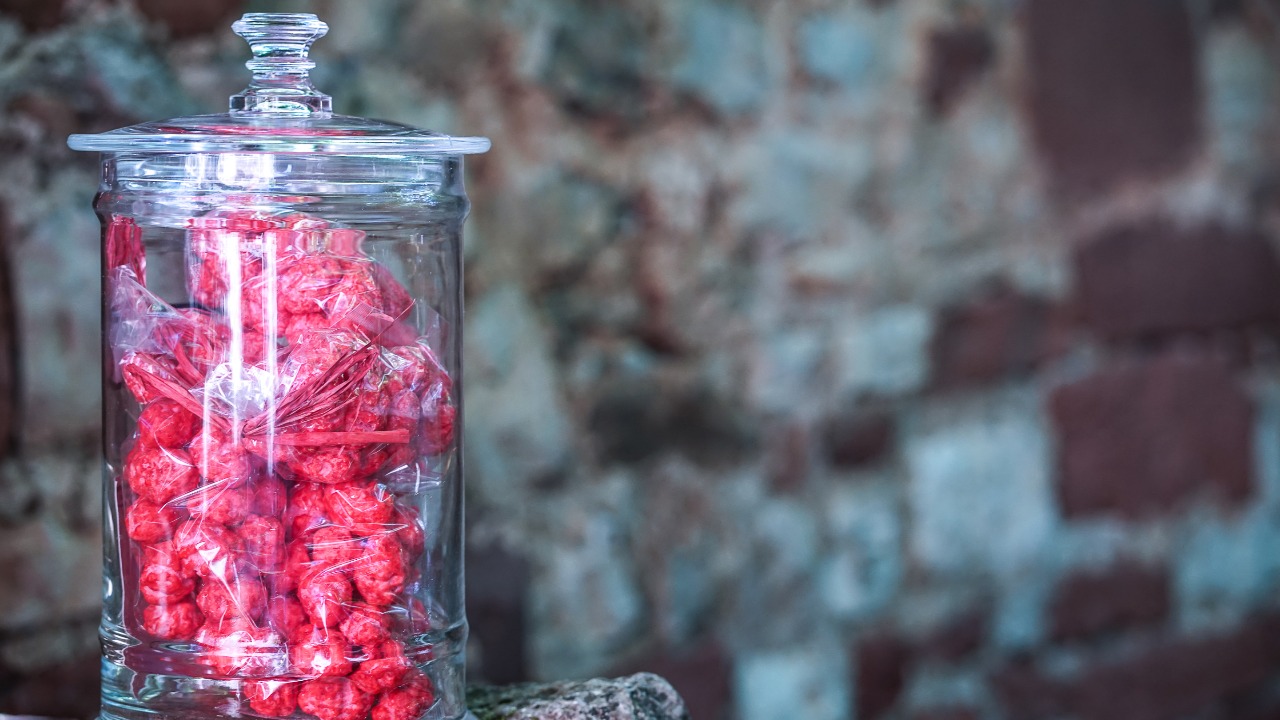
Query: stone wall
x=876, y=358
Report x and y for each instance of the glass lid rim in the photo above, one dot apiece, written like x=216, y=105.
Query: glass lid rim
x=121, y=141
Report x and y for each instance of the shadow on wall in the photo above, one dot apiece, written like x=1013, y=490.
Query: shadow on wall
x=837, y=359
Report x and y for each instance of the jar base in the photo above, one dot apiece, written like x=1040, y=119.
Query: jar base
x=128, y=694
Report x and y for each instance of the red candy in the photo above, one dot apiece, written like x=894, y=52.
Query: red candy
x=165, y=423
x=206, y=549
x=177, y=621
x=217, y=256
x=161, y=553
x=307, y=509
x=380, y=573
x=286, y=615
x=359, y=503
x=147, y=522
x=325, y=596
x=437, y=426
x=318, y=652
x=222, y=462
x=374, y=676
x=334, y=548
x=396, y=301
x=164, y=584
x=273, y=698
x=297, y=564
x=221, y=504
x=325, y=465
x=262, y=538
x=231, y=600
x=365, y=626
x=409, y=532
x=406, y=702
x=270, y=497
x=313, y=353
x=334, y=699
x=159, y=474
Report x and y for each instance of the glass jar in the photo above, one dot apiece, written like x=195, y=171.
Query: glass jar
x=282, y=342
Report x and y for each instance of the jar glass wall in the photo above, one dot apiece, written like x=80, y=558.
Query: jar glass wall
x=283, y=490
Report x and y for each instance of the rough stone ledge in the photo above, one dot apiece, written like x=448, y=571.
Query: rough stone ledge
x=643, y=696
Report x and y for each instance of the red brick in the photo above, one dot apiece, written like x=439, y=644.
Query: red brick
x=1152, y=278
x=1026, y=693
x=702, y=675
x=883, y=662
x=957, y=56
x=958, y=637
x=35, y=15
x=1000, y=333
x=187, y=19
x=947, y=713
x=858, y=439
x=787, y=458
x=1194, y=677
x=1113, y=88
x=1125, y=595
x=1144, y=437
x=497, y=589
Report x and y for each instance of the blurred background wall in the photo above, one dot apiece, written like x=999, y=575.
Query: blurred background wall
x=876, y=359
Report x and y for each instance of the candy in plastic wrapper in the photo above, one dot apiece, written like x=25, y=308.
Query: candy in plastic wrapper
x=167, y=424
x=406, y=702
x=366, y=626
x=324, y=465
x=272, y=698
x=384, y=673
x=206, y=549
x=223, y=461
x=164, y=583
x=268, y=468
x=359, y=504
x=307, y=509
x=174, y=621
x=262, y=539
x=219, y=260
x=325, y=596
x=319, y=652
x=220, y=503
x=286, y=615
x=222, y=601
x=159, y=474
x=409, y=531
x=334, y=548
x=334, y=698
x=380, y=573
x=270, y=497
x=147, y=522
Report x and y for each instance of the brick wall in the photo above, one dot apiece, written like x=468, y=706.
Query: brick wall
x=876, y=359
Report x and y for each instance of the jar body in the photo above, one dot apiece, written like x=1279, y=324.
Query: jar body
x=282, y=485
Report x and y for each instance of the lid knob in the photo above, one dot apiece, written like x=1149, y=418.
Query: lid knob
x=281, y=83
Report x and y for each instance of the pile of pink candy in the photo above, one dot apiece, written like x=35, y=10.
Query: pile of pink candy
x=279, y=418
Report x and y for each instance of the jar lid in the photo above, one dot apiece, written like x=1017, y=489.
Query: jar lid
x=280, y=111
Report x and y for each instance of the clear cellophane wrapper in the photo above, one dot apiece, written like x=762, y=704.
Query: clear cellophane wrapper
x=285, y=416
